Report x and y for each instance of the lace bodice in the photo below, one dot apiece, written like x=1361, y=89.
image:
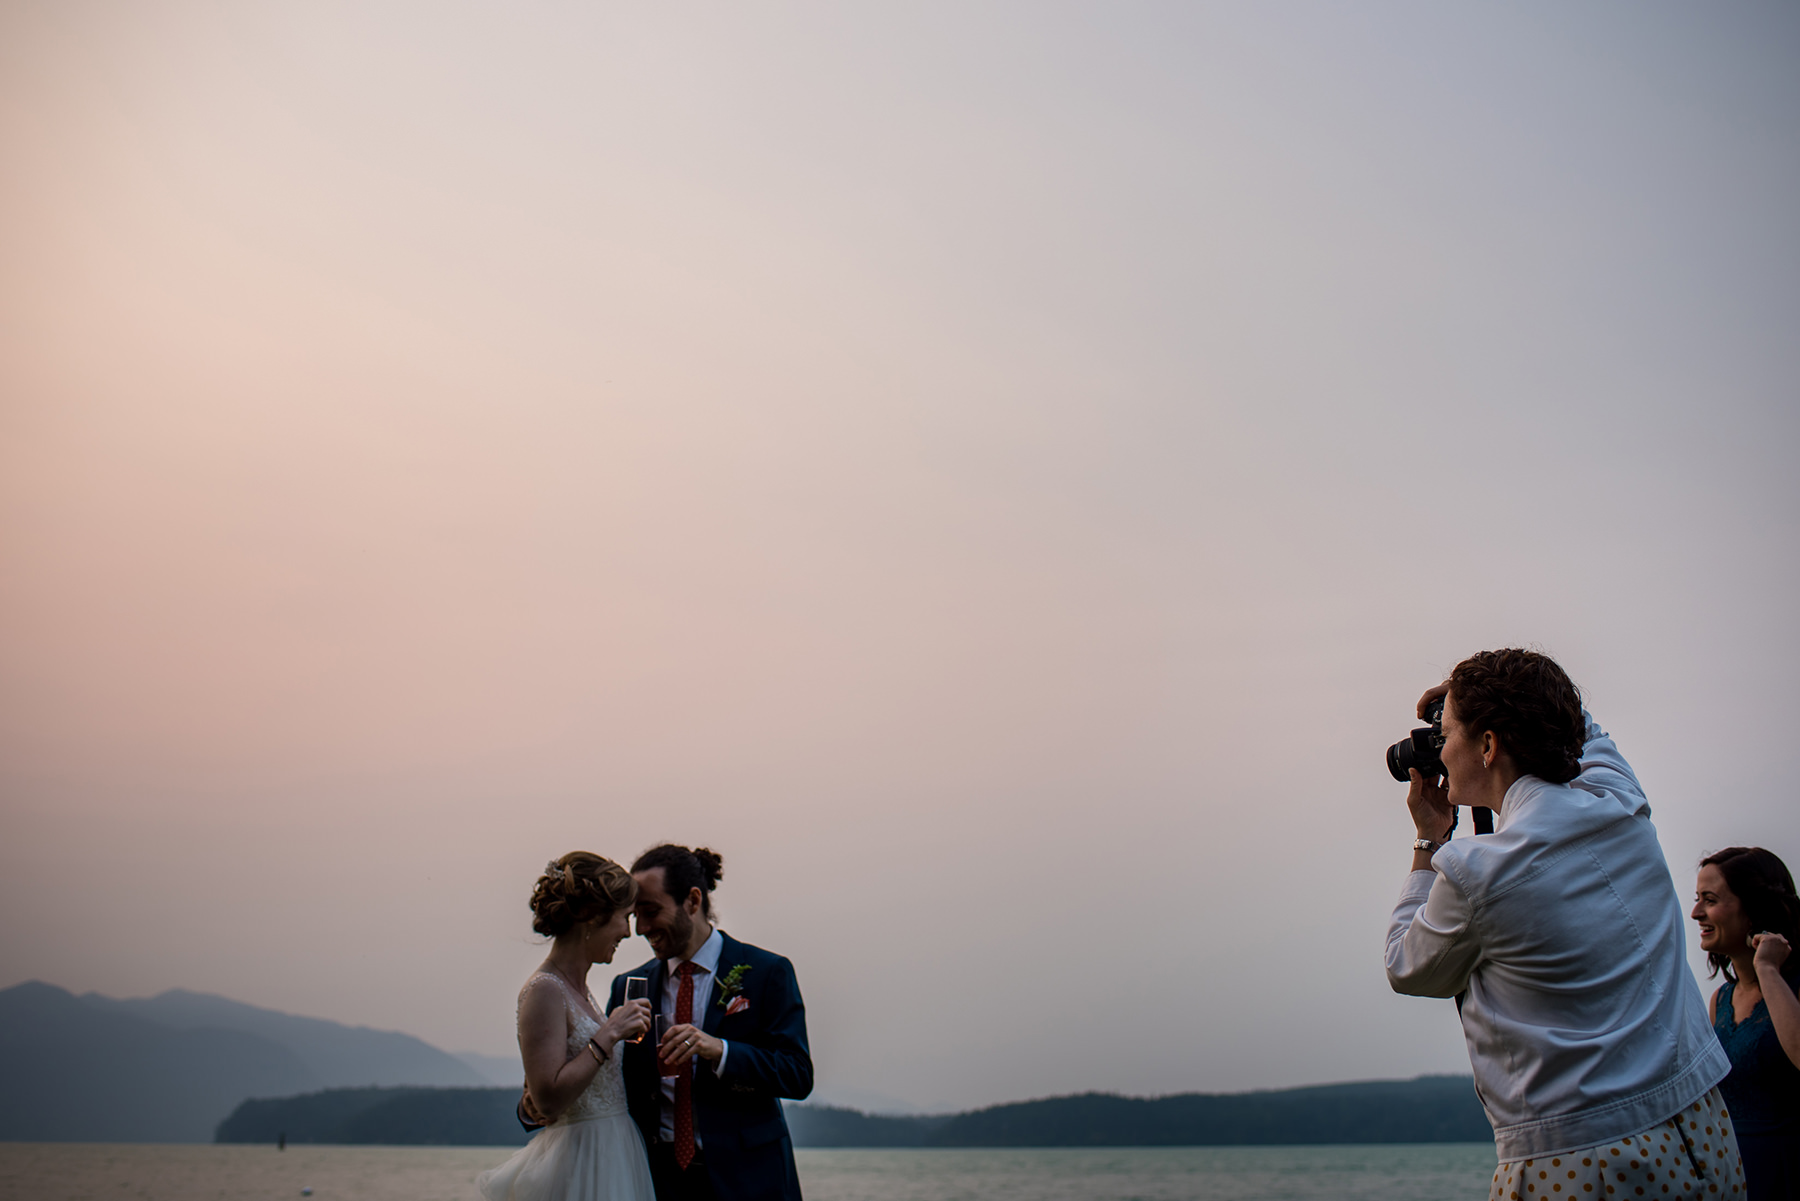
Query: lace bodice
x=605, y=1097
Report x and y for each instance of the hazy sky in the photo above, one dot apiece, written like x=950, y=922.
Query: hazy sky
x=1001, y=474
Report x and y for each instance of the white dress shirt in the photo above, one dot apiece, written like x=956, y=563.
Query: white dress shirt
x=706, y=960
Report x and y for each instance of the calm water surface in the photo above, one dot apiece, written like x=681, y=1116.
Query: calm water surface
x=171, y=1172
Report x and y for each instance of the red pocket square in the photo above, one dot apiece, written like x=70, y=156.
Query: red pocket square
x=737, y=1005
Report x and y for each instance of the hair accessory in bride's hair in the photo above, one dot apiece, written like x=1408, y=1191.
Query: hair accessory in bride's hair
x=579, y=886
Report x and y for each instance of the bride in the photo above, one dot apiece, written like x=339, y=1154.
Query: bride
x=591, y=1150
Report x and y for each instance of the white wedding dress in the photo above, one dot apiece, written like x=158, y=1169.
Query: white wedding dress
x=591, y=1152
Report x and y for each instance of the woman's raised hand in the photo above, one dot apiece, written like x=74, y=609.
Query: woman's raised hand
x=1771, y=952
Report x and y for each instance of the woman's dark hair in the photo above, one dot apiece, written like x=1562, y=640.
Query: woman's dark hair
x=1530, y=702
x=579, y=887
x=1765, y=888
x=685, y=870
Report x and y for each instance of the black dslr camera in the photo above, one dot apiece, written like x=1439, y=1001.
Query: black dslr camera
x=1421, y=748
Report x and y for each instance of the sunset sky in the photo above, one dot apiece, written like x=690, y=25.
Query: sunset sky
x=999, y=473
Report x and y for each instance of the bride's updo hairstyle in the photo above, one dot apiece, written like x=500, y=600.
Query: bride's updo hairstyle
x=684, y=870
x=1530, y=702
x=579, y=887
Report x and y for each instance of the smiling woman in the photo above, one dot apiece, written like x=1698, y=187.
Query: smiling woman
x=1749, y=918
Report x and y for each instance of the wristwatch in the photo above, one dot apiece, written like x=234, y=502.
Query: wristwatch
x=1425, y=844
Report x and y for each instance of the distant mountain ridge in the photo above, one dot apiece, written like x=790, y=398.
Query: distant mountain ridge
x=67, y=1075
x=1428, y=1109
x=337, y=1056
x=175, y=1065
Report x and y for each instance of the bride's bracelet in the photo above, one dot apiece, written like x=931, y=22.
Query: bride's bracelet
x=599, y=1055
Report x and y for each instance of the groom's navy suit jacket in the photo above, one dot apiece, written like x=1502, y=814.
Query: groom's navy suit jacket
x=737, y=1115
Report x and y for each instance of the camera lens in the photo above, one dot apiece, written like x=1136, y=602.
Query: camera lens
x=1420, y=751
x=1399, y=758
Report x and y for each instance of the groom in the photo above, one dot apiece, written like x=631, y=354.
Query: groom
x=736, y=1042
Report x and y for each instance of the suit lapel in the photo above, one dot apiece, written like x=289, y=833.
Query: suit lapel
x=728, y=959
x=659, y=972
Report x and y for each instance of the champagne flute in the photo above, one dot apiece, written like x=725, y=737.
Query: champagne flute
x=637, y=988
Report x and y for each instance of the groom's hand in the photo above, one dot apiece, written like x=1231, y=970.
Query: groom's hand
x=683, y=1043
x=530, y=1116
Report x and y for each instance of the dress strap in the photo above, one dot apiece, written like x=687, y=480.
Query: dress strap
x=569, y=995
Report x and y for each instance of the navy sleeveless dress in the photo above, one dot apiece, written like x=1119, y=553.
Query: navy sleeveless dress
x=1762, y=1095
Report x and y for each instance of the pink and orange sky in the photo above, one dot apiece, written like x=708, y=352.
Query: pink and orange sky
x=1000, y=474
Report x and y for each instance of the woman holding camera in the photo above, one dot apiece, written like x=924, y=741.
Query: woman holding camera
x=1560, y=936
x=1749, y=920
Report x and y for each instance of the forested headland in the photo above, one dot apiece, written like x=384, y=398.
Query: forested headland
x=1428, y=1109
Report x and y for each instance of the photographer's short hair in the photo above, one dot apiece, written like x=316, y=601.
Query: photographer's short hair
x=1529, y=701
x=685, y=870
x=1765, y=888
x=579, y=887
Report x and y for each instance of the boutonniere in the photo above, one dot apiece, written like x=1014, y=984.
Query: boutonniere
x=729, y=990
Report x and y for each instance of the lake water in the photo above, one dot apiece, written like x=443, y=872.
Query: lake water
x=174, y=1172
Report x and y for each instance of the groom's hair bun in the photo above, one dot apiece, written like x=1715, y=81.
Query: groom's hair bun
x=579, y=887
x=712, y=866
x=685, y=870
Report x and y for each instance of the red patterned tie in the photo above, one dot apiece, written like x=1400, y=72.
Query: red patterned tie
x=684, y=1081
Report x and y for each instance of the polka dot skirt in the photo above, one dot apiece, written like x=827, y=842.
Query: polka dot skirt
x=1692, y=1155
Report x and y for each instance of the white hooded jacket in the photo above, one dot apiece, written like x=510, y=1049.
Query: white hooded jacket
x=1564, y=928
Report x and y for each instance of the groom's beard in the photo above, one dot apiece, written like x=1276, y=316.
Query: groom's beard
x=672, y=940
